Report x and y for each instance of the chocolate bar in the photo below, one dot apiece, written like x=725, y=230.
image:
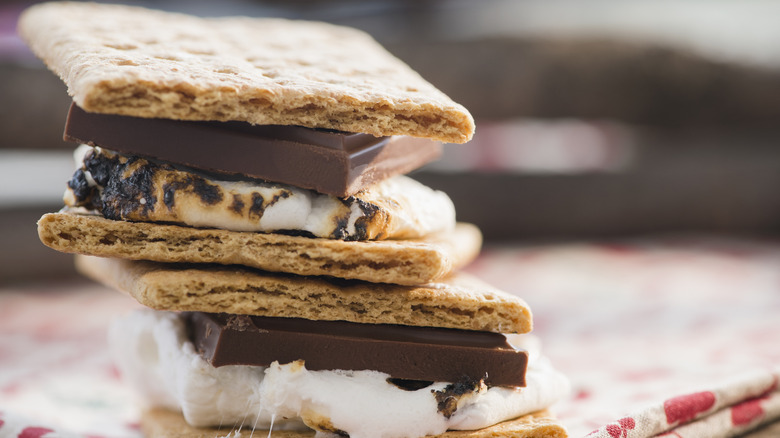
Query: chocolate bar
x=331, y=162
x=403, y=352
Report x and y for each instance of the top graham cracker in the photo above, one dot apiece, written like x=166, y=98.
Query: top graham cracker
x=137, y=62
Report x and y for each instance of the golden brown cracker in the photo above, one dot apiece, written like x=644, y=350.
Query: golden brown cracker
x=132, y=61
x=390, y=261
x=460, y=301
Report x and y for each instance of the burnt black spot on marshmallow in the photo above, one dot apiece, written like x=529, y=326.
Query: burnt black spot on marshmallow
x=447, y=398
x=238, y=204
x=83, y=193
x=208, y=193
x=169, y=194
x=101, y=166
x=284, y=194
x=130, y=190
x=361, y=223
x=256, y=208
x=260, y=204
x=342, y=222
x=340, y=230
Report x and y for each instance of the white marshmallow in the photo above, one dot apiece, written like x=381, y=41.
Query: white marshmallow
x=152, y=351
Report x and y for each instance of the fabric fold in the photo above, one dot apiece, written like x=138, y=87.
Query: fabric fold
x=726, y=410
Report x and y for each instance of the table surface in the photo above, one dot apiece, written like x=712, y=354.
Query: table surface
x=630, y=323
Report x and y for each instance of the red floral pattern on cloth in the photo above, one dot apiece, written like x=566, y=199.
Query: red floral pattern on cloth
x=56, y=379
x=721, y=412
x=685, y=408
x=12, y=426
x=621, y=429
x=636, y=323
x=747, y=412
x=649, y=332
x=34, y=432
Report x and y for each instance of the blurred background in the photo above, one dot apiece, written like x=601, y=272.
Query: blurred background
x=611, y=120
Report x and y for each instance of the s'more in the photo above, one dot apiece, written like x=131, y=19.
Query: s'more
x=245, y=180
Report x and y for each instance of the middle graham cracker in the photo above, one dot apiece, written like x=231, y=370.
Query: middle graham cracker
x=460, y=301
x=408, y=262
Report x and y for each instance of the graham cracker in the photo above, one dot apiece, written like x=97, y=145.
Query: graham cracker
x=460, y=301
x=407, y=262
x=160, y=423
x=138, y=62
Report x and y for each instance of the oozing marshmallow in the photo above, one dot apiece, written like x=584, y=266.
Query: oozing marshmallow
x=154, y=354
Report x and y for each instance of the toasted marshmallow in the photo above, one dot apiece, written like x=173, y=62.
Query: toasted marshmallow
x=136, y=189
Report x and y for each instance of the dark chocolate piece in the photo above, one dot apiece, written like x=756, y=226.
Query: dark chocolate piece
x=403, y=352
x=331, y=162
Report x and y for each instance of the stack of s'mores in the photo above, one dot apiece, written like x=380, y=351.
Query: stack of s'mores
x=244, y=179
